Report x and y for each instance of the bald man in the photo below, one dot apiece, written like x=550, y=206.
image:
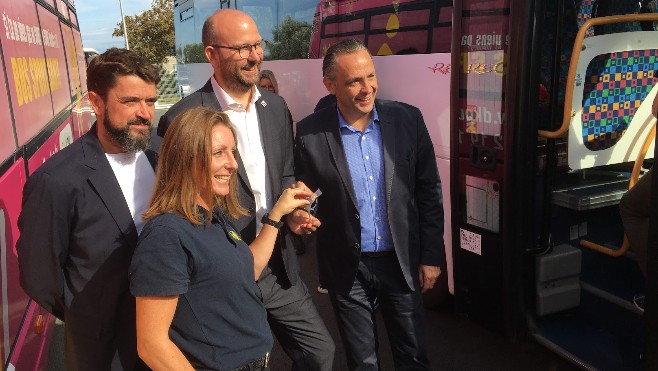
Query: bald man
x=261, y=119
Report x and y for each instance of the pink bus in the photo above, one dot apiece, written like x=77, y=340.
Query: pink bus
x=386, y=26
x=42, y=109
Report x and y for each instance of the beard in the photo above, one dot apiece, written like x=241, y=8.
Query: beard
x=236, y=81
x=124, y=139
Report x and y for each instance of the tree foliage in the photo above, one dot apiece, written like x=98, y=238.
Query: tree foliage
x=191, y=53
x=290, y=40
x=151, y=33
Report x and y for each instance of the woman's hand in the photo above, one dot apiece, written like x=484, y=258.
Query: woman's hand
x=291, y=199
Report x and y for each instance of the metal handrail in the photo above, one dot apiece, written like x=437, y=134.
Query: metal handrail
x=573, y=65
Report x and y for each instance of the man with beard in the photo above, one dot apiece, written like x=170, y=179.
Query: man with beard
x=82, y=213
x=261, y=119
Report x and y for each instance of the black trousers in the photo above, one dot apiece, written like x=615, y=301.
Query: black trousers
x=296, y=323
x=379, y=283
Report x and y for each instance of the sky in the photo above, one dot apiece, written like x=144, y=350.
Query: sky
x=98, y=19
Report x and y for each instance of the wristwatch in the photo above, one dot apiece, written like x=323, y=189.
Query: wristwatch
x=266, y=220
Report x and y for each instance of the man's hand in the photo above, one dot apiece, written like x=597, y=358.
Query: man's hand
x=300, y=221
x=428, y=275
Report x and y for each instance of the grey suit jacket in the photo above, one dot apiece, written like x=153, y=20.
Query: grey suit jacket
x=276, y=135
x=76, y=242
x=413, y=193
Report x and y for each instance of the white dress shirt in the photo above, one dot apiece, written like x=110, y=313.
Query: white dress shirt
x=250, y=145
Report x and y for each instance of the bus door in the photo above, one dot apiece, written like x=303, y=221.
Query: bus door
x=577, y=88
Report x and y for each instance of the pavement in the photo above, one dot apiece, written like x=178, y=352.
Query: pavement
x=454, y=342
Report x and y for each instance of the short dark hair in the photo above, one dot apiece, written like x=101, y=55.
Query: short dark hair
x=103, y=70
x=347, y=46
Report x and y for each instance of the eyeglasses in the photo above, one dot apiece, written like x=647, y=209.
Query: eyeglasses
x=244, y=50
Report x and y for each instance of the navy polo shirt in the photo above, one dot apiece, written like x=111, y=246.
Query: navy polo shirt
x=219, y=323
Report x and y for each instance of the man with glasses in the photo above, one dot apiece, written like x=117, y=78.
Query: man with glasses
x=234, y=48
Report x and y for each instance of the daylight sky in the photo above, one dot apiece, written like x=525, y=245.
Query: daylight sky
x=98, y=18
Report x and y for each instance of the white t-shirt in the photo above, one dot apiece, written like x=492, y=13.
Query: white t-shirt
x=250, y=145
x=136, y=178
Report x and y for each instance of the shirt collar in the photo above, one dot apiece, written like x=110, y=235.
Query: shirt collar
x=226, y=101
x=344, y=124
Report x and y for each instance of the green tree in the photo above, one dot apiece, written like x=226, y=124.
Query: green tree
x=290, y=40
x=191, y=53
x=151, y=33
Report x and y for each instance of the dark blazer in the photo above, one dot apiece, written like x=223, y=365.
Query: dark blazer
x=76, y=241
x=276, y=135
x=413, y=193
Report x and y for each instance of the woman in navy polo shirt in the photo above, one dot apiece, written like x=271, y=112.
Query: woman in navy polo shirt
x=192, y=275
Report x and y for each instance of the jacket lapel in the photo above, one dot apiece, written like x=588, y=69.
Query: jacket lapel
x=335, y=143
x=387, y=126
x=267, y=130
x=103, y=180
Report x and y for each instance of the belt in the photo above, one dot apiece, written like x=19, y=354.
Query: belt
x=256, y=365
x=377, y=254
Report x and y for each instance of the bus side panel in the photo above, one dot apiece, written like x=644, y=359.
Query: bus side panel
x=26, y=68
x=14, y=300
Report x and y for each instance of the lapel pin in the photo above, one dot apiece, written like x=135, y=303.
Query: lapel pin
x=263, y=103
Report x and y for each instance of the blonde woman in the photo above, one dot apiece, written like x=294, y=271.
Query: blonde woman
x=192, y=275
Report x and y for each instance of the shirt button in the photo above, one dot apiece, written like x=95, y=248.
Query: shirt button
x=371, y=177
x=363, y=138
x=379, y=237
x=374, y=197
x=357, y=246
x=367, y=157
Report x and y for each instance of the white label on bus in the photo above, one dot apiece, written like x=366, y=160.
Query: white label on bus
x=470, y=241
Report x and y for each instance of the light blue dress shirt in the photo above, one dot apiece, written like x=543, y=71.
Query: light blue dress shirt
x=365, y=158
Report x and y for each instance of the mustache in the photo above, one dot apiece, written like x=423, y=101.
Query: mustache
x=140, y=121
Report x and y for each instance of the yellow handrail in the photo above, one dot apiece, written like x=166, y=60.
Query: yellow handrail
x=635, y=175
x=573, y=64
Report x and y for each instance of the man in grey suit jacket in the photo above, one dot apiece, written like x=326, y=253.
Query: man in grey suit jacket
x=381, y=239
x=261, y=119
x=82, y=213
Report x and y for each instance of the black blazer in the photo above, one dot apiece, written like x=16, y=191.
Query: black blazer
x=276, y=135
x=76, y=241
x=413, y=193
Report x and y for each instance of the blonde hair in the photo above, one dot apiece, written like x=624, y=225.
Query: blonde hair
x=269, y=75
x=184, y=167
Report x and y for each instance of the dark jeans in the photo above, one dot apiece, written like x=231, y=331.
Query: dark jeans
x=296, y=323
x=379, y=283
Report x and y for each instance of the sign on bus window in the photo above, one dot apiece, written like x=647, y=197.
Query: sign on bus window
x=55, y=60
x=7, y=140
x=81, y=60
x=27, y=75
x=72, y=62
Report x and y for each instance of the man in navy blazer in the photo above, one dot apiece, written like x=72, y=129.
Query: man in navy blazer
x=82, y=213
x=261, y=119
x=381, y=239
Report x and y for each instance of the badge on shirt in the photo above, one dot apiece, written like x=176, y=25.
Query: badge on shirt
x=234, y=235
